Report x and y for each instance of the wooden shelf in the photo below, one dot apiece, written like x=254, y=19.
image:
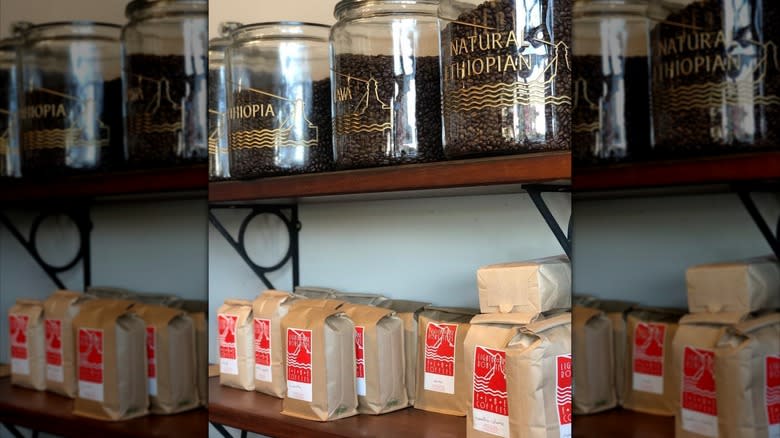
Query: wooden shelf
x=724, y=169
x=624, y=424
x=258, y=413
x=50, y=413
x=491, y=174
x=121, y=183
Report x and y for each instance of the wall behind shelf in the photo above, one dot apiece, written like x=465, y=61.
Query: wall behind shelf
x=39, y=11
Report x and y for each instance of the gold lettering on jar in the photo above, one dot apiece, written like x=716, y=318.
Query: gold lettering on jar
x=251, y=111
x=343, y=94
x=43, y=111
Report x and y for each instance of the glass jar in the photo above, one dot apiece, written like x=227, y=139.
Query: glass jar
x=716, y=77
x=612, y=120
x=70, y=110
x=279, y=99
x=219, y=159
x=165, y=47
x=10, y=165
x=506, y=76
x=386, y=92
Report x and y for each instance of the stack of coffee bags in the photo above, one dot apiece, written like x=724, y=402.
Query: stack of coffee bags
x=617, y=313
x=722, y=298
x=59, y=311
x=28, y=364
x=198, y=311
x=518, y=367
x=409, y=312
x=235, y=338
x=268, y=310
x=593, y=346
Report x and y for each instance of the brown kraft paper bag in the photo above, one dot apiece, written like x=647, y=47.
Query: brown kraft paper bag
x=202, y=355
x=59, y=310
x=323, y=303
x=617, y=312
x=172, y=363
x=693, y=372
x=27, y=334
x=594, y=367
x=111, y=361
x=649, y=360
x=361, y=298
x=747, y=371
x=236, y=345
x=320, y=364
x=485, y=345
x=534, y=286
x=441, y=383
x=741, y=287
x=539, y=379
x=379, y=359
x=408, y=311
x=269, y=308
x=314, y=292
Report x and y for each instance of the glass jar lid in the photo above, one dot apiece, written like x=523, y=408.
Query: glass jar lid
x=72, y=29
x=610, y=7
x=387, y=7
x=223, y=40
x=280, y=30
x=140, y=9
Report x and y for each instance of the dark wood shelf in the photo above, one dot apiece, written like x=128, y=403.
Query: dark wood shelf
x=624, y=424
x=726, y=169
x=258, y=413
x=490, y=174
x=151, y=182
x=50, y=413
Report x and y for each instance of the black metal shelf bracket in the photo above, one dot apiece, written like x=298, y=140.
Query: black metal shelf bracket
x=773, y=239
x=288, y=214
x=536, y=191
x=80, y=216
x=222, y=431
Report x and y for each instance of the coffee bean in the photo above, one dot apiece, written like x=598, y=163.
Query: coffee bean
x=385, y=116
x=494, y=111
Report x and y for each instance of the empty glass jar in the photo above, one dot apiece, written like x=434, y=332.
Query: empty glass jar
x=386, y=87
x=611, y=84
x=279, y=100
x=165, y=47
x=70, y=110
x=10, y=166
x=219, y=158
x=506, y=76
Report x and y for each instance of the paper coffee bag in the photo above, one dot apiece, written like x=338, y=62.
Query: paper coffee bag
x=269, y=308
x=379, y=359
x=158, y=299
x=740, y=287
x=202, y=355
x=617, y=312
x=408, y=311
x=649, y=360
x=28, y=356
x=747, y=372
x=323, y=303
x=595, y=365
x=441, y=373
x=693, y=372
x=320, y=364
x=539, y=379
x=361, y=298
x=314, y=292
x=487, y=413
x=111, y=361
x=59, y=310
x=236, y=345
x=534, y=286
x=584, y=300
x=172, y=363
x=110, y=293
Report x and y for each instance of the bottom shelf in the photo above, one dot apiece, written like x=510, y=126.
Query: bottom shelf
x=258, y=413
x=51, y=413
x=624, y=424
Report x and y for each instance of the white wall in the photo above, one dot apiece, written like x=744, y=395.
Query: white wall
x=39, y=11
x=255, y=11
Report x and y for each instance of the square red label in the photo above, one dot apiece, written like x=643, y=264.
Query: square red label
x=18, y=328
x=698, y=385
x=90, y=355
x=773, y=389
x=563, y=382
x=226, y=325
x=53, y=329
x=649, y=348
x=360, y=360
x=440, y=348
x=490, y=381
x=151, y=354
x=262, y=342
x=299, y=355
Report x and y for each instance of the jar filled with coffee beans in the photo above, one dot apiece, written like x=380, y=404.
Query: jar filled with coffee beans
x=386, y=87
x=165, y=46
x=611, y=107
x=10, y=165
x=278, y=112
x=716, y=77
x=70, y=98
x=219, y=160
x=506, y=76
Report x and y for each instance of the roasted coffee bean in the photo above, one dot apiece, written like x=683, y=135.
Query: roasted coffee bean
x=60, y=135
x=265, y=131
x=384, y=117
x=611, y=109
x=489, y=111
x=716, y=86
x=165, y=124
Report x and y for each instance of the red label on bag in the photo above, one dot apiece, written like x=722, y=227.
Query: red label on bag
x=53, y=341
x=563, y=382
x=262, y=342
x=18, y=327
x=490, y=381
x=227, y=336
x=360, y=361
x=299, y=355
x=649, y=349
x=91, y=355
x=440, y=348
x=773, y=389
x=151, y=354
x=698, y=392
